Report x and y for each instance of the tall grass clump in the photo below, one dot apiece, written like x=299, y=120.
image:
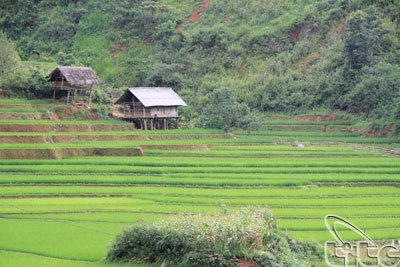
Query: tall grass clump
x=213, y=239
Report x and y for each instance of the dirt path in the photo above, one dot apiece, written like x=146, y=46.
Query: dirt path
x=56, y=117
x=196, y=15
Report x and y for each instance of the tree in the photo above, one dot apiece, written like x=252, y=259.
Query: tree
x=362, y=39
x=164, y=75
x=377, y=92
x=9, y=58
x=65, y=59
x=251, y=122
x=18, y=17
x=223, y=110
x=392, y=7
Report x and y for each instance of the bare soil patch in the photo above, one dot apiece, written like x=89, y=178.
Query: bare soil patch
x=59, y=153
x=49, y=128
x=196, y=15
x=21, y=116
x=50, y=139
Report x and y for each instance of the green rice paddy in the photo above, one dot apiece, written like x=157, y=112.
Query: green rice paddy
x=59, y=122
x=10, y=258
x=323, y=123
x=159, y=132
x=65, y=212
x=23, y=110
x=17, y=101
x=300, y=134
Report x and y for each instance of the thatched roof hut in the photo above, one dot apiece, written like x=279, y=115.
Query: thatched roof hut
x=75, y=75
x=73, y=78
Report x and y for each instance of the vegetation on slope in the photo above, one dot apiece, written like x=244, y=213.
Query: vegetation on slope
x=286, y=56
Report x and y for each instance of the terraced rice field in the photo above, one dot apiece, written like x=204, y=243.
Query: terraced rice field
x=65, y=211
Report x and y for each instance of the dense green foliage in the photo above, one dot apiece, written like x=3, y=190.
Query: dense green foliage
x=281, y=56
x=224, y=112
x=214, y=240
x=9, y=59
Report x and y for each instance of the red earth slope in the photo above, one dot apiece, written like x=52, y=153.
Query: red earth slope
x=197, y=14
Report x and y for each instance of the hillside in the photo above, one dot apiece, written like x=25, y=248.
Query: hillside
x=273, y=56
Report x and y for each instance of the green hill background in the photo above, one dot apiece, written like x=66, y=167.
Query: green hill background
x=289, y=56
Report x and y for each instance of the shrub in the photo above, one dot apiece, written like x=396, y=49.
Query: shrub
x=202, y=259
x=101, y=96
x=149, y=244
x=377, y=93
x=65, y=59
x=213, y=240
x=82, y=114
x=38, y=84
x=224, y=111
x=60, y=111
x=104, y=112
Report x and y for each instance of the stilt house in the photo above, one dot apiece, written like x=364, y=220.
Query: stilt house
x=67, y=79
x=154, y=105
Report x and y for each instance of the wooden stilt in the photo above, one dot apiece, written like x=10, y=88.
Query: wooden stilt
x=151, y=125
x=165, y=124
x=62, y=88
x=54, y=95
x=90, y=95
x=69, y=92
x=145, y=124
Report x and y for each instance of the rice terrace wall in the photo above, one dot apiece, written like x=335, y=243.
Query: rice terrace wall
x=81, y=185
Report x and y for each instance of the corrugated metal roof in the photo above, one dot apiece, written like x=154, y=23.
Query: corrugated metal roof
x=76, y=75
x=155, y=96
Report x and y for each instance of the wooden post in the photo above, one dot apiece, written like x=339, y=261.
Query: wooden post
x=74, y=96
x=69, y=91
x=151, y=125
x=54, y=95
x=145, y=124
x=177, y=123
x=90, y=95
x=165, y=124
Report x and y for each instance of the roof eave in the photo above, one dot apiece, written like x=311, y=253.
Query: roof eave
x=151, y=106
